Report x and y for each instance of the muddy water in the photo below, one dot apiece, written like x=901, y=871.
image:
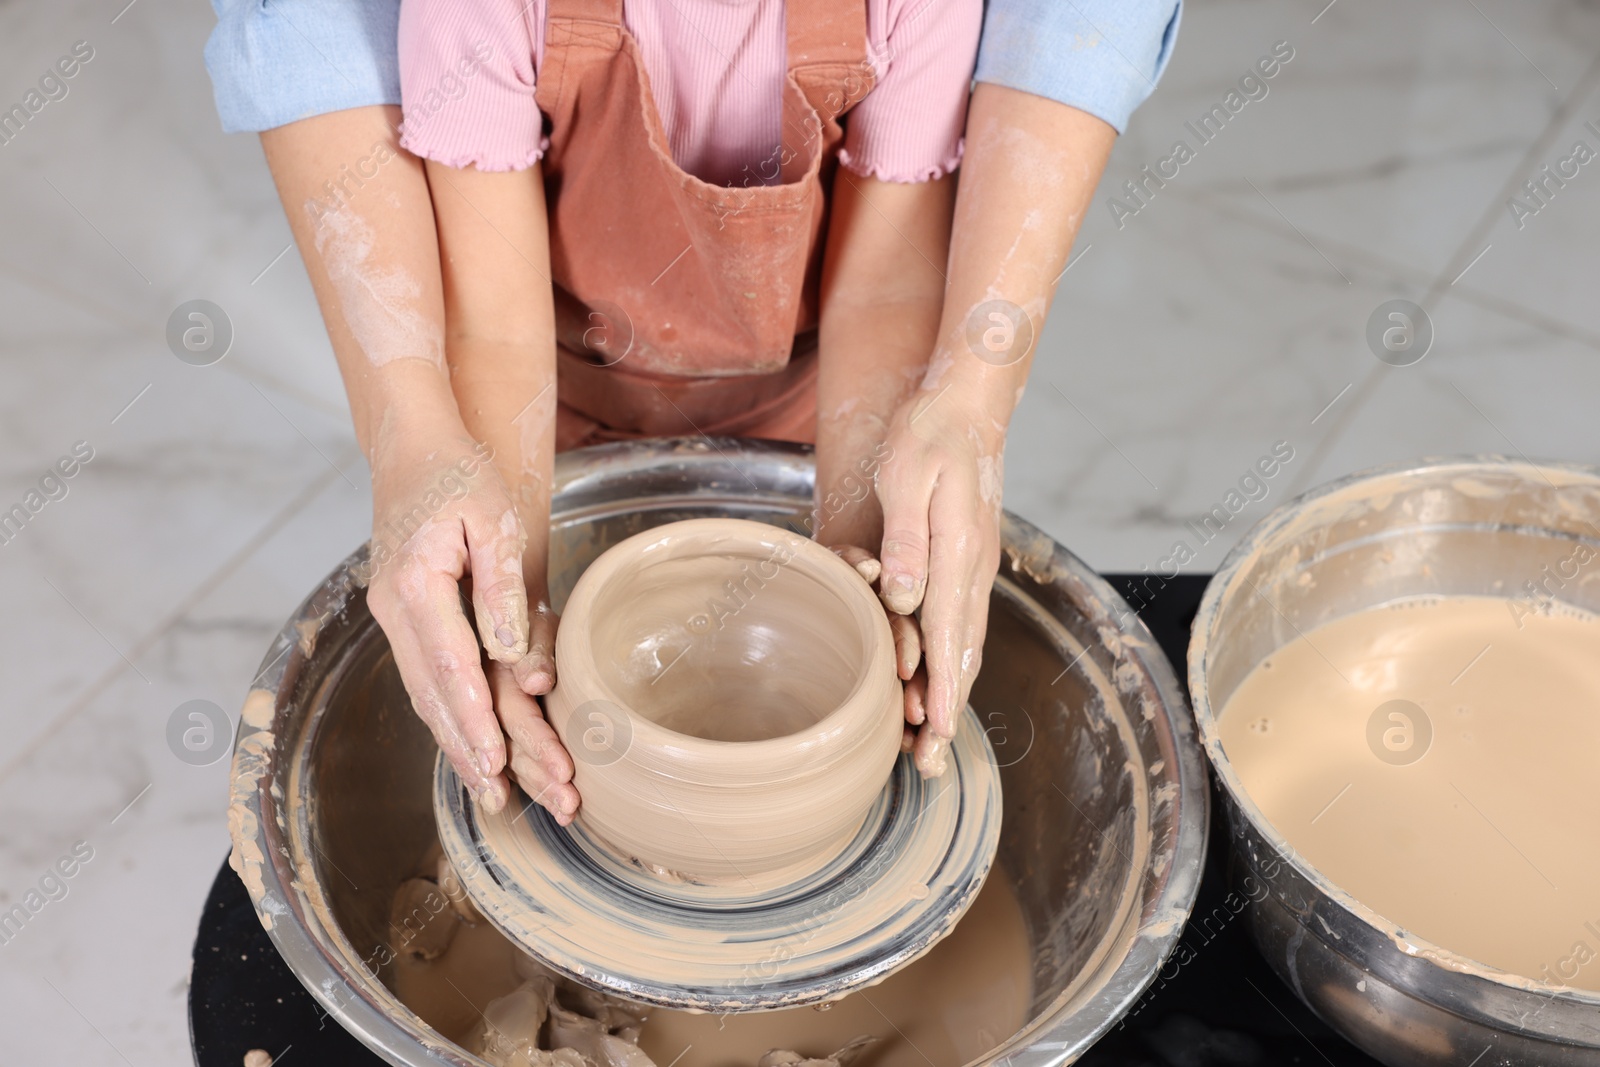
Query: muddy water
x=1439, y=760
x=961, y=1000
x=967, y=995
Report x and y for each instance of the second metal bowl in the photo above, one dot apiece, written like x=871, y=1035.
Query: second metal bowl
x=1472, y=526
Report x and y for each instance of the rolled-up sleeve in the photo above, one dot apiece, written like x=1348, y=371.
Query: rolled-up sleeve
x=1100, y=56
x=273, y=63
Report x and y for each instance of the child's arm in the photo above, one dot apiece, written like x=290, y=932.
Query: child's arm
x=494, y=248
x=882, y=293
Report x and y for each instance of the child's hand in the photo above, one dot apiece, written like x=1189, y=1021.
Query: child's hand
x=441, y=512
x=907, y=651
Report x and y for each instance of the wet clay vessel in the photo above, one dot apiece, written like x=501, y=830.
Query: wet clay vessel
x=728, y=693
x=749, y=836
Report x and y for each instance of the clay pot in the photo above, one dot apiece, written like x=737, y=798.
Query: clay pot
x=727, y=691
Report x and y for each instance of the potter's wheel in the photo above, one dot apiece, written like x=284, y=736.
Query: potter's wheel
x=900, y=885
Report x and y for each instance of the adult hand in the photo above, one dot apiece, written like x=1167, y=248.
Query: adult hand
x=939, y=488
x=441, y=513
x=440, y=509
x=1029, y=171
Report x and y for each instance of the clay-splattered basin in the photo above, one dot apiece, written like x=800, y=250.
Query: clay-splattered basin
x=1472, y=526
x=1105, y=789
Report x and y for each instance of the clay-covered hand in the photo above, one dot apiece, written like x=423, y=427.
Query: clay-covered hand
x=538, y=761
x=907, y=645
x=441, y=513
x=939, y=489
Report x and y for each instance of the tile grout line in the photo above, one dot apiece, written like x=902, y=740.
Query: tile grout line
x=116, y=321
x=339, y=413
x=1452, y=268
x=1374, y=262
x=207, y=585
x=1540, y=146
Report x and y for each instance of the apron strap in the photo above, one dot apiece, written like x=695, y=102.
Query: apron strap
x=827, y=33
x=819, y=33
x=606, y=11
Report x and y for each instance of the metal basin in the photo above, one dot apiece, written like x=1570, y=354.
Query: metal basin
x=1468, y=526
x=1105, y=790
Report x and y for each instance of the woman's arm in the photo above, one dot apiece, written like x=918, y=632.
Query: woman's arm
x=370, y=248
x=1030, y=169
x=368, y=244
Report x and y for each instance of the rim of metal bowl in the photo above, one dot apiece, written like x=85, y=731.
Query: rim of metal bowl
x=1475, y=975
x=617, y=479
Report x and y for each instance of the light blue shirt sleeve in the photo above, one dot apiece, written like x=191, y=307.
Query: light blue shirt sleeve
x=274, y=62
x=1100, y=56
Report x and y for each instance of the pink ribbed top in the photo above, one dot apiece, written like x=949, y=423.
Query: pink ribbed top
x=716, y=69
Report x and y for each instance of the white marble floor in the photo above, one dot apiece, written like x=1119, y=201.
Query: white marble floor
x=1226, y=315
